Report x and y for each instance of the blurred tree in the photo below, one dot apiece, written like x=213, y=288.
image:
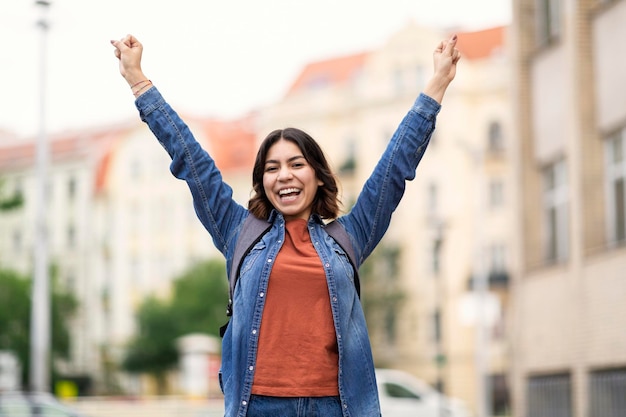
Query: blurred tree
x=198, y=305
x=15, y=297
x=153, y=350
x=11, y=202
x=200, y=298
x=382, y=297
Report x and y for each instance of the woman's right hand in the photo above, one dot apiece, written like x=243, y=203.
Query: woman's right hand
x=128, y=50
x=445, y=57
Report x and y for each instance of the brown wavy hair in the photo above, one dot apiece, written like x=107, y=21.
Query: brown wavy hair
x=326, y=201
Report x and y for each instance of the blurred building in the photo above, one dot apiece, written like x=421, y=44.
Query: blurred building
x=569, y=341
x=456, y=214
x=120, y=226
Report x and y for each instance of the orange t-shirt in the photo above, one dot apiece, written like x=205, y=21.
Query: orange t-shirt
x=297, y=354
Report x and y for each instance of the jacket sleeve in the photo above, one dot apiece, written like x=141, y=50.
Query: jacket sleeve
x=369, y=219
x=212, y=197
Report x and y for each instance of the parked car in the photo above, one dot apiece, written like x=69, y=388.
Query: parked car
x=403, y=395
x=29, y=404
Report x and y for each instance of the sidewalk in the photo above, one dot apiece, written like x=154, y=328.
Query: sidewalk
x=150, y=406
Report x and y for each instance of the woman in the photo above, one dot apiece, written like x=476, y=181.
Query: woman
x=297, y=343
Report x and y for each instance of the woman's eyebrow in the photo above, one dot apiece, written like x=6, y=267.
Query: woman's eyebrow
x=293, y=158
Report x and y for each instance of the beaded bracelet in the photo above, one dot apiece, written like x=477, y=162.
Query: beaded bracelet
x=143, y=87
x=138, y=83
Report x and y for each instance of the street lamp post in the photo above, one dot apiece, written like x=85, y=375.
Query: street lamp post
x=480, y=286
x=440, y=357
x=481, y=289
x=40, y=307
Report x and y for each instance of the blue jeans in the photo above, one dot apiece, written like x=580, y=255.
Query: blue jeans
x=263, y=406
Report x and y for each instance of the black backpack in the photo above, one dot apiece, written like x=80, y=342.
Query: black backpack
x=253, y=230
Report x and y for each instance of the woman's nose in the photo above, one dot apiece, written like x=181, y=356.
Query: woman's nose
x=284, y=173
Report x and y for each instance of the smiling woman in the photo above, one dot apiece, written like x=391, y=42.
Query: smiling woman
x=289, y=182
x=291, y=174
x=297, y=342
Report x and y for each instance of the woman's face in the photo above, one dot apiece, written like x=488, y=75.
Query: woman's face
x=289, y=181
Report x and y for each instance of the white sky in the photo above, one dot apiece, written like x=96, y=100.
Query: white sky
x=208, y=57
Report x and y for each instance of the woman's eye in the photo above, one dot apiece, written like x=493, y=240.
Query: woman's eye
x=270, y=169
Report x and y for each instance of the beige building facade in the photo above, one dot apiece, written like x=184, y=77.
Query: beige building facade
x=454, y=223
x=120, y=227
x=569, y=338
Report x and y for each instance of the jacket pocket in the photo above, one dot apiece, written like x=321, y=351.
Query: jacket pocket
x=250, y=259
x=344, y=260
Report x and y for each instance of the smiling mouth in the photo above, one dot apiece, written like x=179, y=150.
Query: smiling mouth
x=289, y=194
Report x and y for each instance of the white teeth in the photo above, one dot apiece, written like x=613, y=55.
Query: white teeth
x=288, y=191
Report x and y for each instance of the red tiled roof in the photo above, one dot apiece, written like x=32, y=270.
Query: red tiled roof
x=60, y=146
x=473, y=45
x=482, y=43
x=329, y=72
x=232, y=144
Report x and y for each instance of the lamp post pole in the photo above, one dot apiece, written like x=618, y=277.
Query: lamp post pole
x=480, y=285
x=440, y=357
x=40, y=307
x=481, y=289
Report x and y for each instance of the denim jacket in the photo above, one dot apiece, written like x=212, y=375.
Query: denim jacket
x=365, y=224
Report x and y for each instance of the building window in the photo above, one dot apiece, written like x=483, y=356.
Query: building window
x=616, y=188
x=436, y=326
x=495, y=139
x=549, y=395
x=500, y=395
x=70, y=281
x=497, y=258
x=555, y=201
x=390, y=324
x=607, y=393
x=496, y=193
x=348, y=167
x=548, y=21
x=432, y=199
x=17, y=241
x=71, y=188
x=436, y=257
x=71, y=236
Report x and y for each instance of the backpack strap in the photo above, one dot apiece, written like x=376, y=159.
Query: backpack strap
x=338, y=232
x=253, y=230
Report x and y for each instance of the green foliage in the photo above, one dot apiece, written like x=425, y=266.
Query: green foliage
x=153, y=350
x=200, y=298
x=379, y=275
x=198, y=304
x=382, y=297
x=15, y=312
x=10, y=203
